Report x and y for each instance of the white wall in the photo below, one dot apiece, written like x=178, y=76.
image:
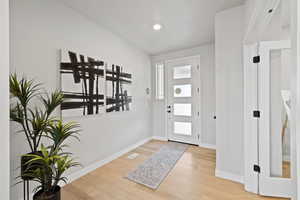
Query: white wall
x=229, y=33
x=207, y=70
x=38, y=30
x=257, y=20
x=253, y=8
x=4, y=103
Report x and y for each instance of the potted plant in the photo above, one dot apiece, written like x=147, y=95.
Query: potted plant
x=48, y=168
x=33, y=120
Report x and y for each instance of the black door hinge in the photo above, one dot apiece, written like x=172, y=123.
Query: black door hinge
x=256, y=59
x=256, y=113
x=256, y=168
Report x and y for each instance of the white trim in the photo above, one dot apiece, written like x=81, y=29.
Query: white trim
x=160, y=138
x=4, y=104
x=207, y=146
x=203, y=145
x=159, y=81
x=183, y=53
x=194, y=60
x=229, y=176
x=87, y=169
x=178, y=59
x=250, y=123
x=295, y=155
x=269, y=186
x=173, y=55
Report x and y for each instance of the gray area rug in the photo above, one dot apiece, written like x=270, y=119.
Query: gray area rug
x=154, y=170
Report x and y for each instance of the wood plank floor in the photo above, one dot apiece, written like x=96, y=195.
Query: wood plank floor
x=191, y=179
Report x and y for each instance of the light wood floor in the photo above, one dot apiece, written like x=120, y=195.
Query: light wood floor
x=286, y=169
x=191, y=179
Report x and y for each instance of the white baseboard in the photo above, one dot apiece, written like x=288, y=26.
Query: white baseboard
x=208, y=146
x=229, y=176
x=160, y=138
x=204, y=145
x=92, y=167
x=87, y=169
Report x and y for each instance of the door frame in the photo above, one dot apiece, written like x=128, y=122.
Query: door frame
x=250, y=123
x=167, y=96
x=252, y=75
x=258, y=16
x=265, y=180
x=295, y=38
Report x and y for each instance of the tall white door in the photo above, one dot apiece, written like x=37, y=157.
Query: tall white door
x=183, y=100
x=274, y=117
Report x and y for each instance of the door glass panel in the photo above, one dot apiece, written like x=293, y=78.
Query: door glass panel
x=183, y=128
x=182, y=109
x=280, y=109
x=182, y=72
x=183, y=90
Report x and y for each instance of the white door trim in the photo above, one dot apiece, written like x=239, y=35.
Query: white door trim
x=166, y=62
x=271, y=186
x=250, y=123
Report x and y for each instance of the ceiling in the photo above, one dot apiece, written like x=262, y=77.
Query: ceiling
x=186, y=23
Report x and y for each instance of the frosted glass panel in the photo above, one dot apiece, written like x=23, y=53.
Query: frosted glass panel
x=183, y=128
x=182, y=72
x=183, y=109
x=280, y=109
x=183, y=90
x=160, y=81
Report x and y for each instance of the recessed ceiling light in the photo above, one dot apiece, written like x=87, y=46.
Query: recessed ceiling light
x=157, y=27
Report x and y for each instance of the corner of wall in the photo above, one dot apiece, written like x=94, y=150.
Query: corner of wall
x=4, y=103
x=229, y=176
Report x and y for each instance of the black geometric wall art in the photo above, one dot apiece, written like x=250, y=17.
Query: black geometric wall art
x=118, y=83
x=82, y=83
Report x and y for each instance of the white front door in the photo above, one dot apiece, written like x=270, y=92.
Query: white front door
x=183, y=100
x=274, y=117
